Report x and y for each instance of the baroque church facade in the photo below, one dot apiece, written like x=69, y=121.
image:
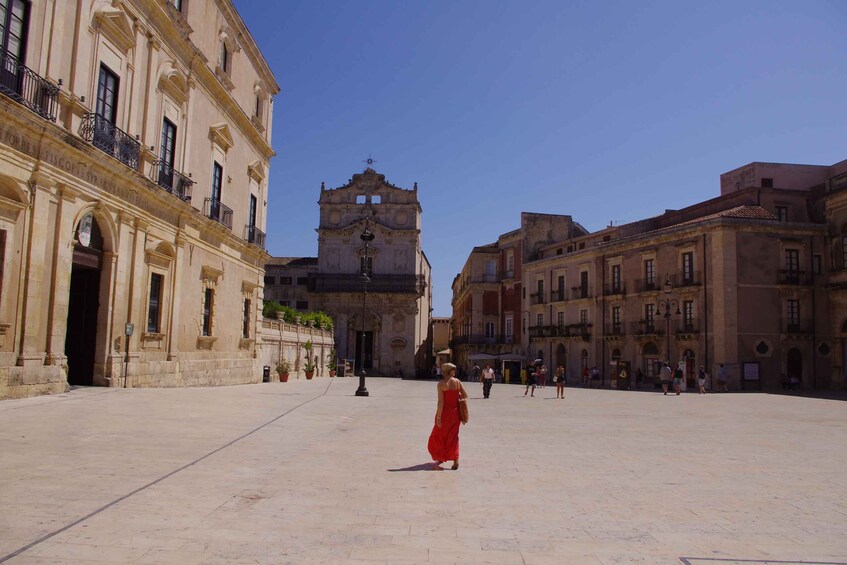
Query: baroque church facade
x=397, y=309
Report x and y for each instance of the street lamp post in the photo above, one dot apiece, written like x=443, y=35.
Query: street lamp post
x=667, y=303
x=366, y=237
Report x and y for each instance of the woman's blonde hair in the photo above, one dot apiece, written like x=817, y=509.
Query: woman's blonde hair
x=447, y=368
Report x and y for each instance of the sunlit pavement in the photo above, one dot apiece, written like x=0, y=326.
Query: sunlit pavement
x=305, y=472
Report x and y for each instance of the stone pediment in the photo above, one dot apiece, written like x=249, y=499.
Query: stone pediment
x=116, y=26
x=368, y=181
x=220, y=134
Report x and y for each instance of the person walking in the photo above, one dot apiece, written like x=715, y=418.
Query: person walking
x=444, y=440
x=585, y=376
x=475, y=373
x=665, y=375
x=677, y=379
x=487, y=381
x=530, y=379
x=701, y=379
x=722, y=378
x=542, y=376
x=560, y=381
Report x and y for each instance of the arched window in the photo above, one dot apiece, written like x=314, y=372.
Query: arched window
x=489, y=329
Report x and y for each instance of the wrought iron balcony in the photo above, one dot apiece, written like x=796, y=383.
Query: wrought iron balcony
x=25, y=86
x=543, y=331
x=797, y=326
x=580, y=292
x=477, y=339
x=646, y=285
x=400, y=284
x=110, y=139
x=794, y=277
x=536, y=298
x=558, y=295
x=254, y=235
x=172, y=180
x=691, y=327
x=691, y=278
x=615, y=329
x=646, y=327
x=214, y=210
x=509, y=274
x=613, y=289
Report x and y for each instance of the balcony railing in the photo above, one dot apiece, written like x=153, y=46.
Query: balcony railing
x=580, y=292
x=172, y=180
x=612, y=289
x=691, y=278
x=536, y=298
x=645, y=327
x=687, y=327
x=509, y=274
x=214, y=210
x=646, y=285
x=794, y=277
x=401, y=284
x=797, y=326
x=477, y=339
x=558, y=295
x=110, y=139
x=615, y=329
x=26, y=87
x=254, y=235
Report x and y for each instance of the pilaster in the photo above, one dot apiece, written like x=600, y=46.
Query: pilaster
x=57, y=315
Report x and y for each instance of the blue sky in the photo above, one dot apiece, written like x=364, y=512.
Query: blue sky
x=607, y=111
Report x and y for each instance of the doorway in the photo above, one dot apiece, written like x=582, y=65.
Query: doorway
x=794, y=365
x=84, y=303
x=690, y=369
x=366, y=353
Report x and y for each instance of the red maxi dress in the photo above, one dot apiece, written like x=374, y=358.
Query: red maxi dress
x=444, y=441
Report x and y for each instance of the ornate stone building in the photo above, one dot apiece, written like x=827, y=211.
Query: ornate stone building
x=135, y=139
x=752, y=279
x=397, y=314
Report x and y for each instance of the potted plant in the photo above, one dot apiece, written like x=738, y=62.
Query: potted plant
x=309, y=369
x=331, y=363
x=283, y=368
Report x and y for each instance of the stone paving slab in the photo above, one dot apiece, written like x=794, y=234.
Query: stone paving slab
x=305, y=472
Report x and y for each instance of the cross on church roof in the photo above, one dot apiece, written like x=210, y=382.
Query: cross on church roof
x=369, y=161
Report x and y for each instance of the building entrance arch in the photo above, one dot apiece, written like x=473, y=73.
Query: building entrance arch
x=794, y=365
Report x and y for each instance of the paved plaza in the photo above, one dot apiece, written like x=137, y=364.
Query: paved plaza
x=305, y=472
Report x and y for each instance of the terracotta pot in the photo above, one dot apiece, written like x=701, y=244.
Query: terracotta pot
x=283, y=377
x=310, y=374
x=332, y=373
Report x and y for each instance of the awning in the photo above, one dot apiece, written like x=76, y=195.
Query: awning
x=512, y=357
x=482, y=357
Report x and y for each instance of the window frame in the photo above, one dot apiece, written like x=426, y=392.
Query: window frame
x=159, y=302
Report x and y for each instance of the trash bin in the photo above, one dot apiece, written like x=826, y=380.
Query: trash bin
x=266, y=374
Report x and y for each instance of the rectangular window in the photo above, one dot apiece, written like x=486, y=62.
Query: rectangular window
x=14, y=20
x=792, y=313
x=510, y=264
x=767, y=183
x=302, y=305
x=285, y=281
x=153, y=318
x=616, y=279
x=583, y=317
x=560, y=285
x=650, y=317
x=107, y=95
x=817, y=263
x=224, y=57
x=616, y=320
x=166, y=154
x=302, y=281
x=508, y=328
x=688, y=268
x=215, y=200
x=782, y=213
x=688, y=315
x=490, y=268
x=245, y=320
x=539, y=319
x=489, y=329
x=208, y=311
x=560, y=319
x=792, y=262
x=844, y=251
x=583, y=284
x=270, y=279
x=649, y=274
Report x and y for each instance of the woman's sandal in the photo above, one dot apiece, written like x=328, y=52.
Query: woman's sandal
x=455, y=465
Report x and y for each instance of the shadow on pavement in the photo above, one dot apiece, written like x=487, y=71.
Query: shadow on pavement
x=429, y=466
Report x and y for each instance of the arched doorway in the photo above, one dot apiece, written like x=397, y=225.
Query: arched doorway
x=794, y=365
x=562, y=358
x=84, y=302
x=539, y=355
x=650, y=363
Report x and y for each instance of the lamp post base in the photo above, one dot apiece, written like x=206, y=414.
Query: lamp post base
x=362, y=391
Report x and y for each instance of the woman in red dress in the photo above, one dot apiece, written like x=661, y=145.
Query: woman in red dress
x=444, y=439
